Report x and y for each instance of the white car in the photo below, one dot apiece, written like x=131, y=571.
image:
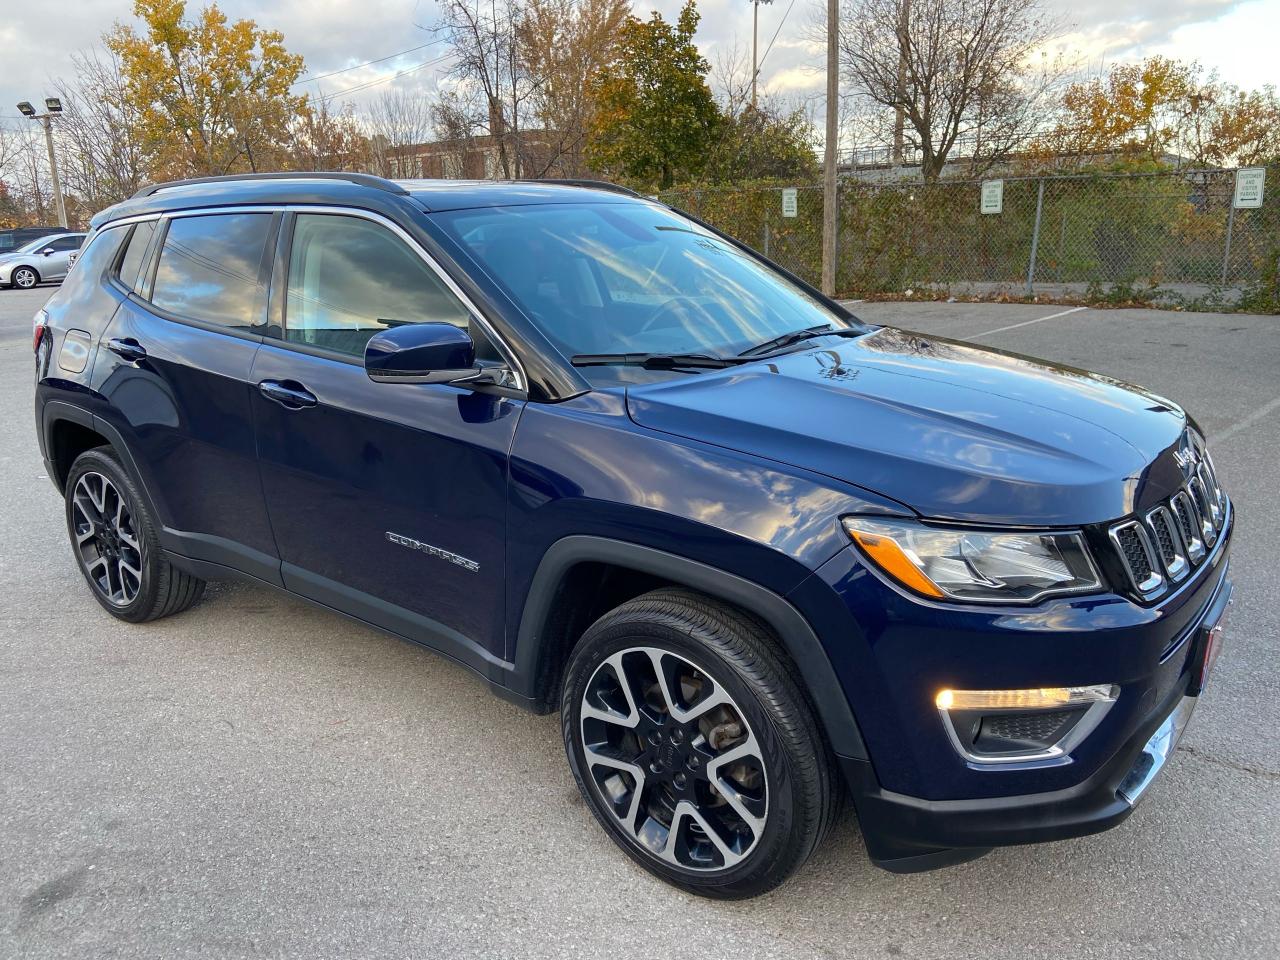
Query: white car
x=48, y=258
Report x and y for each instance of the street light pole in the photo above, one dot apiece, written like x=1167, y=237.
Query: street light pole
x=53, y=107
x=829, y=198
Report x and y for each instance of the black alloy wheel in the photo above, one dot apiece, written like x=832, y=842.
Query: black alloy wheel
x=116, y=545
x=105, y=539
x=674, y=759
x=693, y=745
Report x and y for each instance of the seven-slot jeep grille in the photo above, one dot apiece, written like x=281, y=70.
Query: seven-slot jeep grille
x=1159, y=549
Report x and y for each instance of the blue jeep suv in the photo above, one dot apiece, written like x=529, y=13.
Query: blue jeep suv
x=764, y=558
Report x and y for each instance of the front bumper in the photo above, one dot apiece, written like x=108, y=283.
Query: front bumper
x=905, y=833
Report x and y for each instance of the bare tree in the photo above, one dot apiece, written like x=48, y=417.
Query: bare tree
x=30, y=179
x=491, y=82
x=563, y=45
x=100, y=135
x=394, y=122
x=12, y=210
x=10, y=146
x=963, y=73
x=325, y=139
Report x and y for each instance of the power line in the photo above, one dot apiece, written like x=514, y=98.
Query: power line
x=373, y=83
x=775, y=36
x=369, y=63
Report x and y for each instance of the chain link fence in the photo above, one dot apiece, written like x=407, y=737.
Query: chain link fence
x=1169, y=238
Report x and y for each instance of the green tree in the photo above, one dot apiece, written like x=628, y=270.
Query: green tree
x=655, y=118
x=758, y=143
x=213, y=96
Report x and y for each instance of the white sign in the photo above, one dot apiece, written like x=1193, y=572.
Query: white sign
x=789, y=201
x=1249, y=182
x=992, y=196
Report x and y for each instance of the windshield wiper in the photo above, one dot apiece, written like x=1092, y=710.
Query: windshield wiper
x=797, y=336
x=655, y=361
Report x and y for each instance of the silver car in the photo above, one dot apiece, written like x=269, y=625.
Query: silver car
x=39, y=261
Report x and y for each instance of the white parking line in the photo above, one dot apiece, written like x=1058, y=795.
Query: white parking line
x=1260, y=414
x=1025, y=323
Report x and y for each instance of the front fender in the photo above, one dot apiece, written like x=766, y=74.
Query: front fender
x=788, y=624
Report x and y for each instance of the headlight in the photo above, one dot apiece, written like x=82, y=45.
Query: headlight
x=974, y=565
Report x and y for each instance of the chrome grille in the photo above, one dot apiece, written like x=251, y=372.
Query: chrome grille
x=1139, y=557
x=1161, y=548
x=1189, y=525
x=1161, y=523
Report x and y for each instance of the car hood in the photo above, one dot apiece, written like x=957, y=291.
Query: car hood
x=951, y=430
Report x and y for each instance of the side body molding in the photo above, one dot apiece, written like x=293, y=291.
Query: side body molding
x=792, y=629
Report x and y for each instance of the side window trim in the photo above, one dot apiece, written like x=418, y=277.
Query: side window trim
x=152, y=261
x=278, y=277
x=278, y=291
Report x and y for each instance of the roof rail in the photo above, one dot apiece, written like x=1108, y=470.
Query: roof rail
x=362, y=179
x=592, y=185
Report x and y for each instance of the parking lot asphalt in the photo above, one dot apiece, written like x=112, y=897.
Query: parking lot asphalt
x=258, y=778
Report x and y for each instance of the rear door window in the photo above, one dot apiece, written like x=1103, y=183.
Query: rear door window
x=211, y=269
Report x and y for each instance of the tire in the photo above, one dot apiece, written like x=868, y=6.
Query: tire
x=731, y=711
x=24, y=278
x=113, y=537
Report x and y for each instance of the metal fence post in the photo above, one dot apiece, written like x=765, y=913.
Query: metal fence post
x=1035, y=237
x=1226, y=247
x=766, y=233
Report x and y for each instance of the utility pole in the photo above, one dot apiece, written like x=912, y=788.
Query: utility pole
x=900, y=111
x=53, y=107
x=755, y=46
x=829, y=198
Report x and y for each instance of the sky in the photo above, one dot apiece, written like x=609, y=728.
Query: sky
x=1234, y=37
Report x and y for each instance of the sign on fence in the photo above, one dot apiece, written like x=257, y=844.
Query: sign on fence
x=992, y=196
x=789, y=202
x=1249, y=183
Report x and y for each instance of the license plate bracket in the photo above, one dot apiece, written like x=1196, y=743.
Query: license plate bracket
x=1208, y=649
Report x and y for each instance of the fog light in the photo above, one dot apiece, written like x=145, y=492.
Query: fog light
x=1042, y=698
x=1006, y=726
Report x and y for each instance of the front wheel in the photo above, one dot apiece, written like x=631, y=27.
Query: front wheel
x=24, y=278
x=691, y=742
x=115, y=543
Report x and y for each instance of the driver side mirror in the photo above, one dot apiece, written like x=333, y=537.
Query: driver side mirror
x=48, y=251
x=422, y=353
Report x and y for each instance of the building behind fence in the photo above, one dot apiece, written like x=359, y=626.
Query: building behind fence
x=1171, y=237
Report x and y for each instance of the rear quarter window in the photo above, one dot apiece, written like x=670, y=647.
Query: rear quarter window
x=131, y=263
x=83, y=294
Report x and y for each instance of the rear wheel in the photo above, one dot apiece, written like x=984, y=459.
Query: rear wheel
x=694, y=747
x=24, y=278
x=115, y=543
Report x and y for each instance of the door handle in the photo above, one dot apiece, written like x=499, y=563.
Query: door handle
x=127, y=348
x=288, y=393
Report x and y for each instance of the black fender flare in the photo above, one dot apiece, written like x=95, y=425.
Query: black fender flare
x=56, y=411
x=789, y=625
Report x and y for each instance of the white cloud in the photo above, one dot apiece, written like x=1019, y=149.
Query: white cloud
x=1233, y=36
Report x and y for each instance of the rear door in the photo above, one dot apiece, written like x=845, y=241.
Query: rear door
x=174, y=368
x=388, y=501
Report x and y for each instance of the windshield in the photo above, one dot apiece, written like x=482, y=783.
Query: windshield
x=632, y=278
